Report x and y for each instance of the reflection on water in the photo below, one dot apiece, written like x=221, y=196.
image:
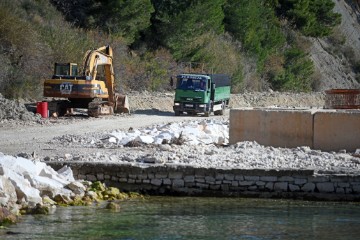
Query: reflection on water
x=195, y=218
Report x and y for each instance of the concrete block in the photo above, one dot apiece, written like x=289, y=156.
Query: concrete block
x=340, y=190
x=239, y=177
x=246, y=183
x=251, y=178
x=100, y=176
x=326, y=187
x=91, y=178
x=300, y=181
x=175, y=175
x=156, y=182
x=281, y=186
x=268, y=178
x=209, y=179
x=178, y=183
x=356, y=189
x=294, y=188
x=252, y=188
x=229, y=177
x=286, y=179
x=215, y=187
x=308, y=187
x=337, y=130
x=235, y=184
x=270, y=186
x=272, y=127
x=225, y=187
x=219, y=176
x=189, y=179
x=260, y=183
x=167, y=181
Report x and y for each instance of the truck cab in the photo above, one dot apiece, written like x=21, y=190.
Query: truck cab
x=201, y=93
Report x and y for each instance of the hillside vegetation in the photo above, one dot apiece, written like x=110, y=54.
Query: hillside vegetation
x=262, y=44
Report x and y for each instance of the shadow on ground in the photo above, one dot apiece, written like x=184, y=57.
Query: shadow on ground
x=153, y=111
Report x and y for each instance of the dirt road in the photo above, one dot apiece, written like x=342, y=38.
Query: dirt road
x=28, y=139
x=19, y=136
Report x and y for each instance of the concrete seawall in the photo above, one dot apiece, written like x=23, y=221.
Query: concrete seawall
x=191, y=181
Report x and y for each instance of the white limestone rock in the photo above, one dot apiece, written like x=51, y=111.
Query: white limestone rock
x=66, y=173
x=7, y=192
x=144, y=139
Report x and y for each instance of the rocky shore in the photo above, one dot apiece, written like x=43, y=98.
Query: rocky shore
x=32, y=187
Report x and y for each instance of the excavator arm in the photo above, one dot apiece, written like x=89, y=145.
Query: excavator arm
x=103, y=56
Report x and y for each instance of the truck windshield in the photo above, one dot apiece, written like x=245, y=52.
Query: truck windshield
x=191, y=84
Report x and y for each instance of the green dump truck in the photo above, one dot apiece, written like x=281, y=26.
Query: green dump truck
x=201, y=93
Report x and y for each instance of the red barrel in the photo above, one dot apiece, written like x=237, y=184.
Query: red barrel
x=42, y=109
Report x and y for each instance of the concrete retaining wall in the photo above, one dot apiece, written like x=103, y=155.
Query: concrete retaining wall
x=326, y=130
x=338, y=130
x=269, y=127
x=185, y=180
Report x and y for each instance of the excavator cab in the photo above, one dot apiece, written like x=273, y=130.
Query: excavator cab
x=65, y=69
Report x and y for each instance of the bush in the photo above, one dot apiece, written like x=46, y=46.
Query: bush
x=297, y=74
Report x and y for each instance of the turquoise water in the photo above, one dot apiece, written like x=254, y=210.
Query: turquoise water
x=195, y=218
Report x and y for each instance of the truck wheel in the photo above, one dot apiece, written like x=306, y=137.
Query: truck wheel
x=222, y=111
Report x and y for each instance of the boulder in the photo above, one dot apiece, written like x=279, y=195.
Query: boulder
x=67, y=173
x=7, y=192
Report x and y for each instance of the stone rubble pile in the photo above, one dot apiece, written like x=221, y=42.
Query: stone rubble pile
x=187, y=133
x=205, y=144
x=191, y=133
x=15, y=110
x=27, y=183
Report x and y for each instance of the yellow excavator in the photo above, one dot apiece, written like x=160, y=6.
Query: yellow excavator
x=93, y=89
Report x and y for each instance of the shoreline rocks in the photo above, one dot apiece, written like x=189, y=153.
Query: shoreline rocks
x=32, y=187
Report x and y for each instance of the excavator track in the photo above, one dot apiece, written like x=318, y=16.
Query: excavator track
x=97, y=108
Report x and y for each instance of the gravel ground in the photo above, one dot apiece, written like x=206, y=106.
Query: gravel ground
x=79, y=138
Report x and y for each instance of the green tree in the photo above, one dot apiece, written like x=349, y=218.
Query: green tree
x=123, y=18
x=313, y=18
x=177, y=25
x=120, y=18
x=297, y=74
x=255, y=25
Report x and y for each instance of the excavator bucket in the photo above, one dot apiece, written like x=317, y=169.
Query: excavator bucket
x=121, y=104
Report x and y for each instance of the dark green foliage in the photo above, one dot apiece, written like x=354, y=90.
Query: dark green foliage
x=180, y=24
x=297, y=74
x=255, y=25
x=120, y=18
x=152, y=38
x=312, y=17
x=124, y=18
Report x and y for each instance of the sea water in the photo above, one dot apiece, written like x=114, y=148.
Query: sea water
x=195, y=218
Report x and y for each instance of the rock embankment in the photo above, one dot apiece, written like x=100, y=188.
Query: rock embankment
x=26, y=183
x=30, y=186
